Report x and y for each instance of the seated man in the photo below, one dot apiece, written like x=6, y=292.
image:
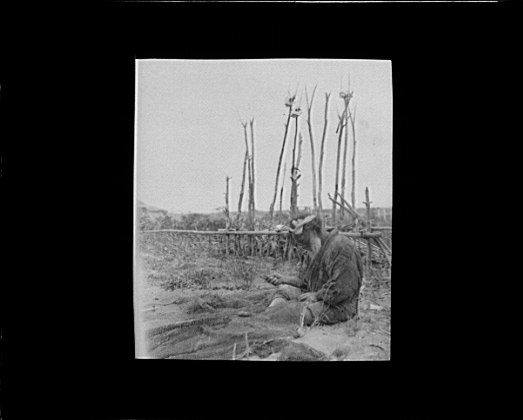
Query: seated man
x=331, y=283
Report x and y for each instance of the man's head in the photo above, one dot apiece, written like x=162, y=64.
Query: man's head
x=307, y=231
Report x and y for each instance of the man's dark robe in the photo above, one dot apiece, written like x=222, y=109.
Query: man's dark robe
x=335, y=275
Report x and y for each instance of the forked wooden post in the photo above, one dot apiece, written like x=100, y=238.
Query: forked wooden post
x=239, y=244
x=322, y=148
x=369, y=227
x=289, y=104
x=227, y=218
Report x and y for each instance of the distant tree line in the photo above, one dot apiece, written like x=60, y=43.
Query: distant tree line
x=191, y=221
x=199, y=221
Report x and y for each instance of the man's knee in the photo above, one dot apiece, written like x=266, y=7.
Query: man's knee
x=287, y=292
x=290, y=292
x=284, y=293
x=277, y=300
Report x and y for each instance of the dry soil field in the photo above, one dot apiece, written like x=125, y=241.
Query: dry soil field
x=192, y=302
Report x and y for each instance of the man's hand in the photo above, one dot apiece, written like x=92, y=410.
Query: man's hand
x=274, y=279
x=309, y=297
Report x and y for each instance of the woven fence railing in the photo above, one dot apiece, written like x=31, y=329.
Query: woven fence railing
x=273, y=243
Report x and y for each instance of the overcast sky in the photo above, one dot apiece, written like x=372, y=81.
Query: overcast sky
x=189, y=137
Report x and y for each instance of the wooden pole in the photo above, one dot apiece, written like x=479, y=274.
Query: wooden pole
x=313, y=159
x=228, y=220
x=340, y=128
x=347, y=98
x=245, y=161
x=251, y=216
x=271, y=209
x=293, y=171
x=322, y=150
x=353, y=125
x=281, y=190
x=242, y=188
x=298, y=175
x=383, y=245
x=346, y=206
x=344, y=166
x=251, y=123
x=239, y=245
x=367, y=203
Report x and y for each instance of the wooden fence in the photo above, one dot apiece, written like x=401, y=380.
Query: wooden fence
x=275, y=244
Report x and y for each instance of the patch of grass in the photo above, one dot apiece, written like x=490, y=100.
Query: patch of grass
x=200, y=278
x=243, y=273
x=175, y=282
x=199, y=306
x=341, y=352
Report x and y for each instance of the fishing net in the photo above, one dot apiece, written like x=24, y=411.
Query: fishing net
x=233, y=327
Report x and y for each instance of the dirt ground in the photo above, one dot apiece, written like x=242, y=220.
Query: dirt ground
x=192, y=303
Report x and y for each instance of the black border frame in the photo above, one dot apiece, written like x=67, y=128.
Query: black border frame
x=67, y=97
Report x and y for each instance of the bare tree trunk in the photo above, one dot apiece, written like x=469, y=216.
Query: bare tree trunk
x=344, y=166
x=245, y=161
x=242, y=189
x=347, y=99
x=252, y=170
x=228, y=220
x=367, y=203
x=271, y=209
x=322, y=150
x=298, y=175
x=249, y=167
x=294, y=210
x=341, y=126
x=313, y=159
x=251, y=216
x=353, y=125
x=281, y=190
x=298, y=159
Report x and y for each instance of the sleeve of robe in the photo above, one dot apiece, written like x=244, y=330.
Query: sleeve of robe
x=343, y=268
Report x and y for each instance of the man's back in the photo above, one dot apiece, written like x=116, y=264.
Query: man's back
x=336, y=271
